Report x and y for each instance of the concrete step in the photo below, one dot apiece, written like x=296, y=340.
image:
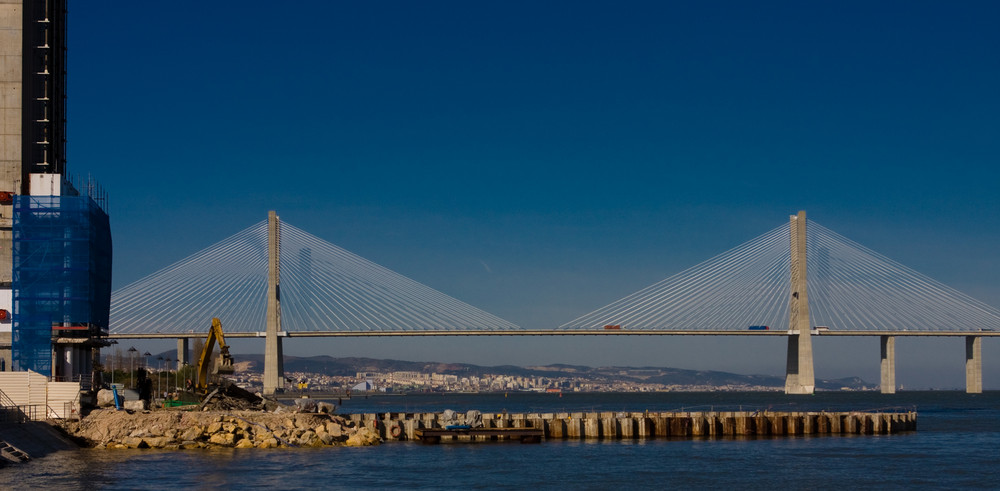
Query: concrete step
x=12, y=453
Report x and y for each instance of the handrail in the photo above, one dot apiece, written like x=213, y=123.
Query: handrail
x=85, y=380
x=19, y=413
x=71, y=407
x=5, y=400
x=10, y=411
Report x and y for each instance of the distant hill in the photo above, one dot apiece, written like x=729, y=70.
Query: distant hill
x=348, y=367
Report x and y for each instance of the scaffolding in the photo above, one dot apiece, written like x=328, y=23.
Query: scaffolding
x=61, y=276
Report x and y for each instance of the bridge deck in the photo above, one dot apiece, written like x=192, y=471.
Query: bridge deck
x=553, y=332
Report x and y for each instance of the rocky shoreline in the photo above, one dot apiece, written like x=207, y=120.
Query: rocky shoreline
x=176, y=429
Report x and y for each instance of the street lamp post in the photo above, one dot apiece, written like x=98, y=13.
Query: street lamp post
x=112, y=343
x=147, y=355
x=168, y=374
x=131, y=366
x=159, y=375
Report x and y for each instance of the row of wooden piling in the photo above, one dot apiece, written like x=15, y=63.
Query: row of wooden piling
x=646, y=425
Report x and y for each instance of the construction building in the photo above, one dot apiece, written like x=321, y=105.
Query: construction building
x=55, y=237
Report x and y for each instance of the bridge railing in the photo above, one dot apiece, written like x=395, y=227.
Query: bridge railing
x=86, y=381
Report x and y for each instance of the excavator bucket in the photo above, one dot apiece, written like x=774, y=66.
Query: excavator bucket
x=224, y=365
x=224, y=369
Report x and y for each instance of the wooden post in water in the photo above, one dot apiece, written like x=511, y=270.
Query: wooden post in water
x=591, y=426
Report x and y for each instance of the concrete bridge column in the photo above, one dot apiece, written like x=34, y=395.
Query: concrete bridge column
x=888, y=365
x=974, y=364
x=799, y=378
x=183, y=356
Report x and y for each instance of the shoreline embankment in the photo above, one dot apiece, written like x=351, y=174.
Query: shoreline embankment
x=177, y=429
x=186, y=429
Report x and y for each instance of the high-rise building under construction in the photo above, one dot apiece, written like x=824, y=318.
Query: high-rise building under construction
x=55, y=238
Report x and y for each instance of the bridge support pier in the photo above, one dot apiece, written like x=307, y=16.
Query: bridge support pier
x=973, y=364
x=182, y=352
x=888, y=381
x=799, y=377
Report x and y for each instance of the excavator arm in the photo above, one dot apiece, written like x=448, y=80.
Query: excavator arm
x=225, y=365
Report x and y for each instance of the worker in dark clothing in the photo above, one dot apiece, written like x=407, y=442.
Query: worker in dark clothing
x=145, y=386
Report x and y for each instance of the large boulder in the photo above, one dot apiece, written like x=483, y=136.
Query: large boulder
x=106, y=398
x=156, y=441
x=225, y=439
x=139, y=433
x=136, y=405
x=192, y=433
x=134, y=442
x=305, y=405
x=326, y=438
x=268, y=443
x=334, y=429
x=363, y=437
x=308, y=439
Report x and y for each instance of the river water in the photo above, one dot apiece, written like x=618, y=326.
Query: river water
x=956, y=445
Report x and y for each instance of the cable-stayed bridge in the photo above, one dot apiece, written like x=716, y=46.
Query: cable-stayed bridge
x=274, y=280
x=324, y=290
x=852, y=291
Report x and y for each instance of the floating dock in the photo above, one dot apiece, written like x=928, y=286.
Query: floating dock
x=434, y=435
x=639, y=425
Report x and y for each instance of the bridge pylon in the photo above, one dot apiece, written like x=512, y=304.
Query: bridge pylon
x=274, y=373
x=799, y=377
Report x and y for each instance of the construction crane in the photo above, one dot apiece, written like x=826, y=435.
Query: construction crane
x=225, y=361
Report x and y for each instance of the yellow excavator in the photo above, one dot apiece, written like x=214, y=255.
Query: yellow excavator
x=225, y=361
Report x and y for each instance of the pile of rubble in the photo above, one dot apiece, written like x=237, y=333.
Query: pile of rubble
x=175, y=429
x=225, y=398
x=233, y=398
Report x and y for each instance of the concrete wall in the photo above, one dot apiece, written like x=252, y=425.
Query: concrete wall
x=63, y=399
x=49, y=399
x=11, y=88
x=25, y=389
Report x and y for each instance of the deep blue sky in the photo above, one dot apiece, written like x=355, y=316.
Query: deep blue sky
x=542, y=159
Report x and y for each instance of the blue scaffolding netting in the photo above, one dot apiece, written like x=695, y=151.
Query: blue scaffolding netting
x=61, y=273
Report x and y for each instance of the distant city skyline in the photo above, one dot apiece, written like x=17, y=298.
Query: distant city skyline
x=542, y=161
